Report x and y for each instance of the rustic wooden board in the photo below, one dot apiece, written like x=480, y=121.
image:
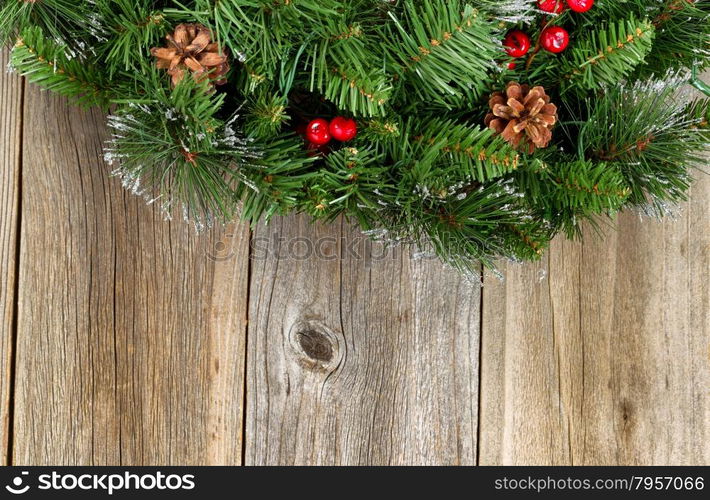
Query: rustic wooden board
x=603, y=358
x=131, y=332
x=354, y=358
x=130, y=342
x=11, y=93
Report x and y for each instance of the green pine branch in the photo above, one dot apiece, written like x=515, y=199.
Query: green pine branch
x=348, y=183
x=133, y=26
x=472, y=224
x=172, y=147
x=682, y=37
x=607, y=55
x=473, y=151
x=651, y=134
x=442, y=49
x=273, y=183
x=345, y=62
x=65, y=21
x=266, y=115
x=569, y=192
x=51, y=65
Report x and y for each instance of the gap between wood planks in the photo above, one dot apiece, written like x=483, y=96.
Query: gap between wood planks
x=7, y=82
x=479, y=389
x=245, y=371
x=16, y=289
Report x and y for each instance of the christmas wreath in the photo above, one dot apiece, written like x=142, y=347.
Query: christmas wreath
x=476, y=128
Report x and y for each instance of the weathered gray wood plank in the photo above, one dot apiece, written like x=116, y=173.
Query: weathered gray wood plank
x=356, y=358
x=10, y=163
x=603, y=360
x=131, y=329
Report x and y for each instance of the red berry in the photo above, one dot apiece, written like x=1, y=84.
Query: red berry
x=554, y=39
x=517, y=43
x=580, y=5
x=317, y=131
x=343, y=129
x=555, y=6
x=511, y=65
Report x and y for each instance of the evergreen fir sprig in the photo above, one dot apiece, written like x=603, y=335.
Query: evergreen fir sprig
x=603, y=11
x=350, y=180
x=381, y=131
x=682, y=37
x=474, y=151
x=64, y=21
x=443, y=48
x=510, y=11
x=698, y=112
x=607, y=55
x=173, y=148
x=567, y=193
x=266, y=114
x=650, y=134
x=274, y=183
x=469, y=224
x=363, y=94
x=134, y=26
x=346, y=62
x=51, y=65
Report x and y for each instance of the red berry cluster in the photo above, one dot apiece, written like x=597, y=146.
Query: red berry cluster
x=558, y=6
x=553, y=38
x=319, y=131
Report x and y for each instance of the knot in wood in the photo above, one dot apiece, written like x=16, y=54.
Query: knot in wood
x=315, y=345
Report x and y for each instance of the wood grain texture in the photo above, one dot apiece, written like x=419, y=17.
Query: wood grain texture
x=603, y=358
x=130, y=345
x=11, y=92
x=131, y=332
x=356, y=356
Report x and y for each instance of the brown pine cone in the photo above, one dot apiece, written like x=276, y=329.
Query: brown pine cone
x=189, y=49
x=522, y=116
